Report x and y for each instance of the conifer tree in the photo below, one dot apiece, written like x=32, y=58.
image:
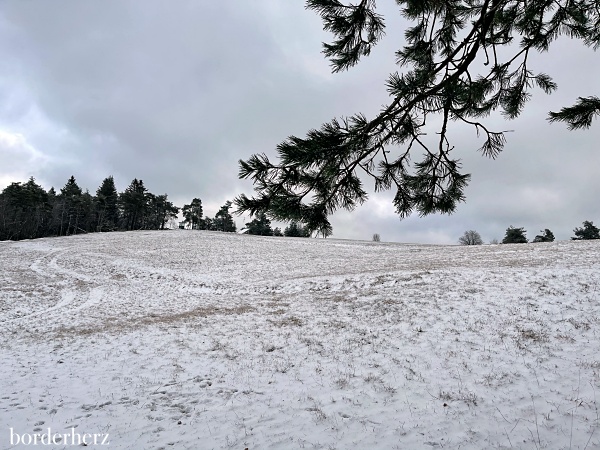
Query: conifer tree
x=295, y=229
x=207, y=224
x=260, y=226
x=160, y=211
x=87, y=221
x=192, y=214
x=70, y=202
x=546, y=236
x=223, y=220
x=588, y=231
x=107, y=210
x=463, y=60
x=514, y=236
x=133, y=205
x=25, y=211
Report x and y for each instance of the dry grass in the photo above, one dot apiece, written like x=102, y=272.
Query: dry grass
x=119, y=325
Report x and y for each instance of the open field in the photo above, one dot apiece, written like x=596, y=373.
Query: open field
x=200, y=340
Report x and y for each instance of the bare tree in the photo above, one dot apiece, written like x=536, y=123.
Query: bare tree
x=376, y=237
x=471, y=237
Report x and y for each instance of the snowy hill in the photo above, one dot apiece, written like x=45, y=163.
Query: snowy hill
x=186, y=339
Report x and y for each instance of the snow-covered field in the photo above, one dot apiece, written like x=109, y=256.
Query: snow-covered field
x=199, y=340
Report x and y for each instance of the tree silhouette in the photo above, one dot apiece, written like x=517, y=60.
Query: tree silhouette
x=589, y=231
x=514, y=236
x=471, y=237
x=462, y=61
x=546, y=236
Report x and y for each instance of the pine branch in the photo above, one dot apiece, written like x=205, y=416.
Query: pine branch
x=580, y=115
x=461, y=79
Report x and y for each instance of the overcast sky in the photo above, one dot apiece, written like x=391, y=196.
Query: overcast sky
x=175, y=93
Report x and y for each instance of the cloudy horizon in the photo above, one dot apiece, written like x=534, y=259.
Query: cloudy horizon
x=175, y=94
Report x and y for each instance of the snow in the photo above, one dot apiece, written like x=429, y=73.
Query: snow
x=202, y=340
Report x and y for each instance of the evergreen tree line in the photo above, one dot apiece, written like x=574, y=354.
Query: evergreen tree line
x=193, y=218
x=516, y=235
x=27, y=211
x=261, y=225
x=223, y=221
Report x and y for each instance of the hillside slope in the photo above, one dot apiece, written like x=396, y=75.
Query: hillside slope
x=186, y=339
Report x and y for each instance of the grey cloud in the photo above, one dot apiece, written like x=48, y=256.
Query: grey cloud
x=17, y=155
x=176, y=92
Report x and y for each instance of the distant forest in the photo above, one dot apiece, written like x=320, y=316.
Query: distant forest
x=27, y=211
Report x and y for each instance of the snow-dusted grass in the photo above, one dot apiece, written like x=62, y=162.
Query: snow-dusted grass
x=184, y=339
